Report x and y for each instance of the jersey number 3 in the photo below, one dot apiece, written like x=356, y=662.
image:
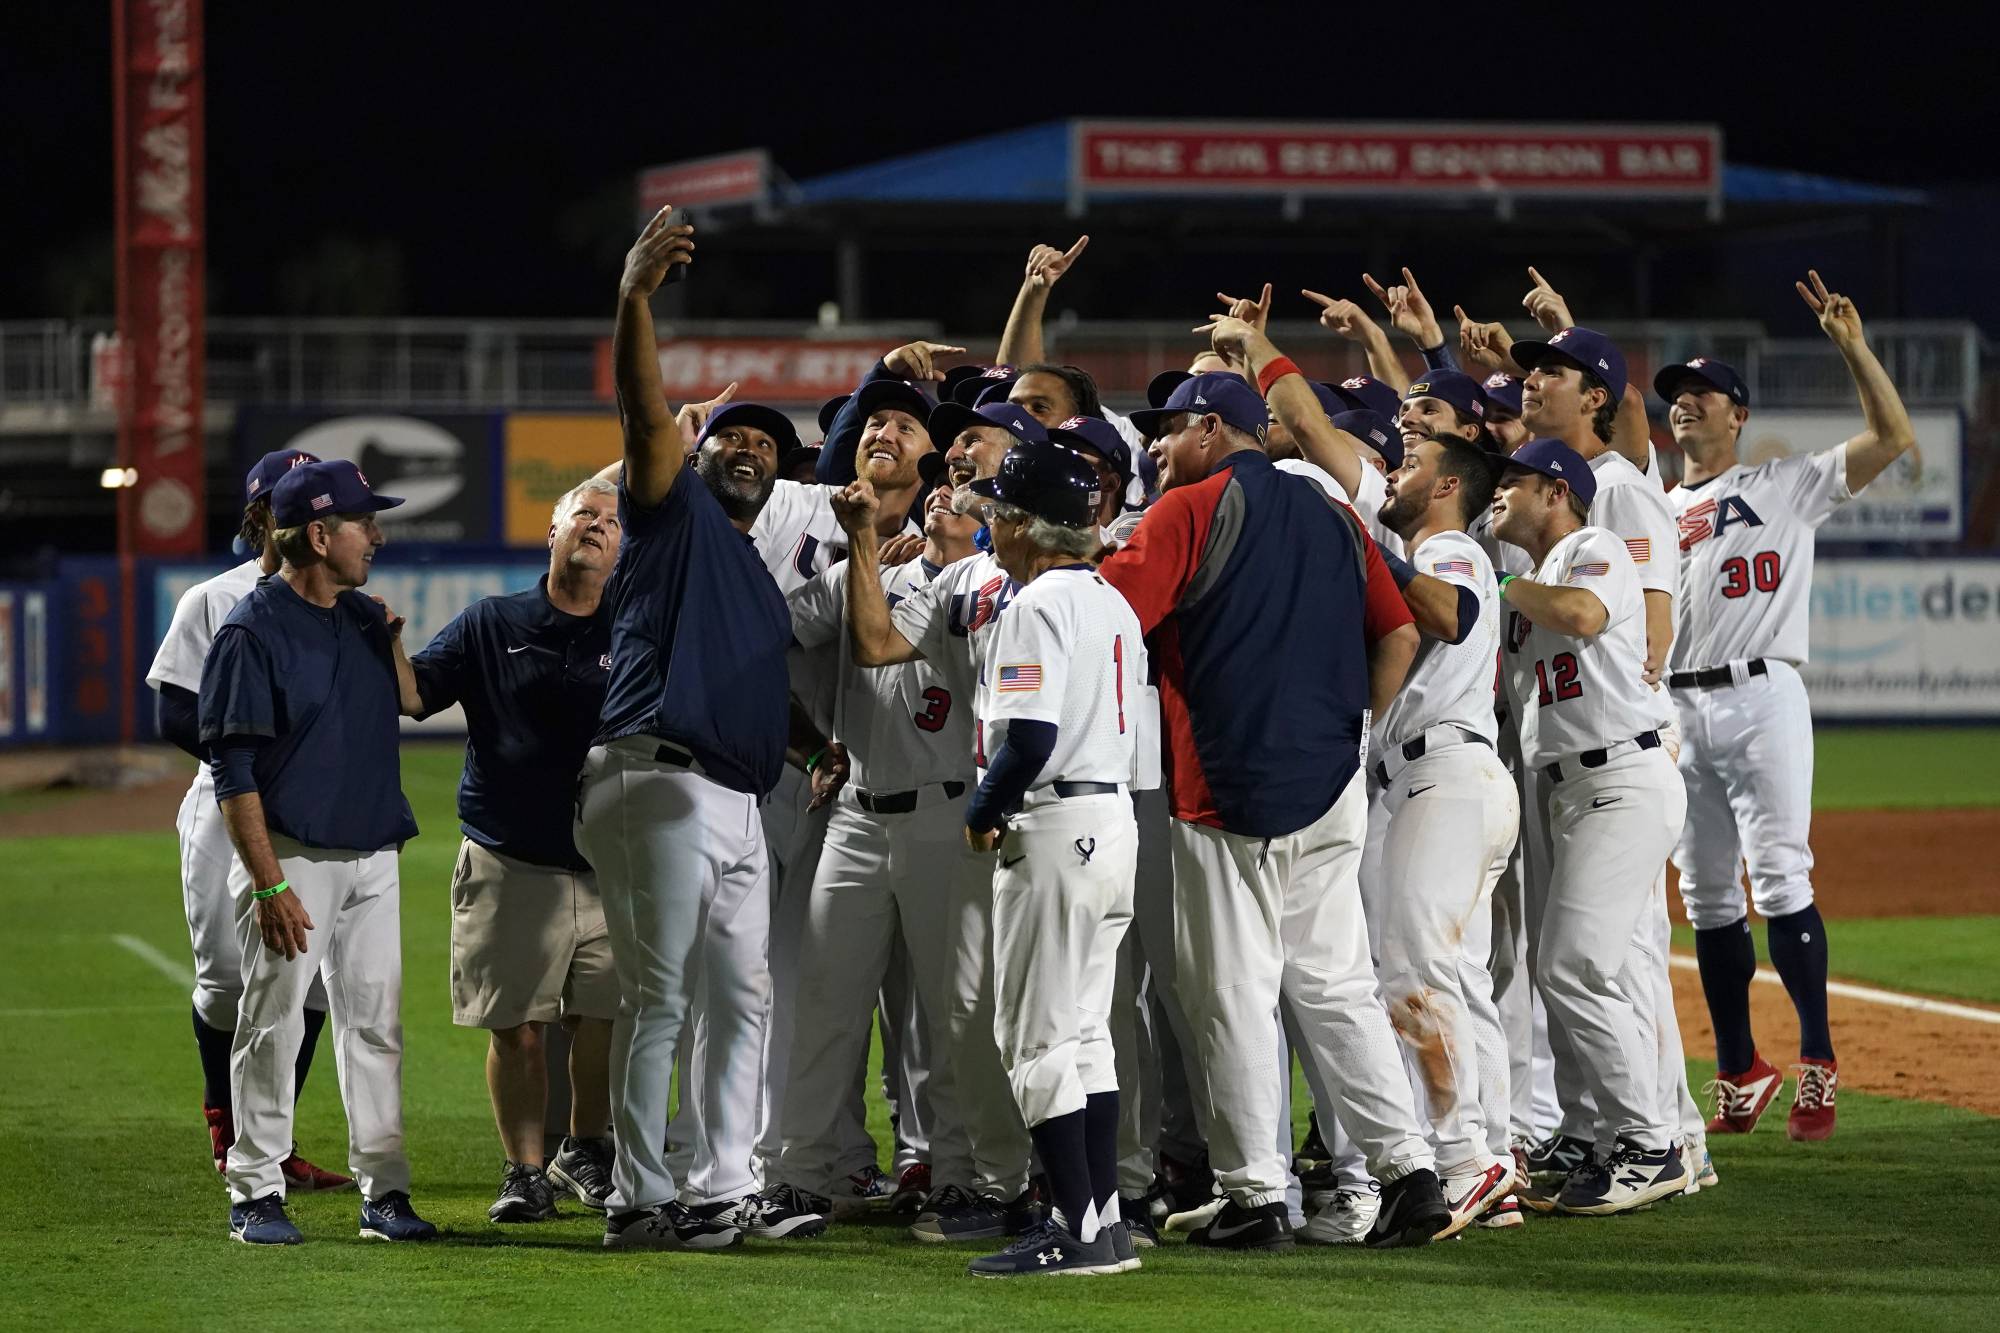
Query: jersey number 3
x=1760, y=571
x=1563, y=668
x=932, y=718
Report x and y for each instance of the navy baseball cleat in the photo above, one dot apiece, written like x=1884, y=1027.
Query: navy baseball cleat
x=1048, y=1249
x=392, y=1218
x=1413, y=1211
x=263, y=1222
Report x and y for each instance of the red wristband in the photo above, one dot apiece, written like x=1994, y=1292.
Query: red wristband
x=1274, y=372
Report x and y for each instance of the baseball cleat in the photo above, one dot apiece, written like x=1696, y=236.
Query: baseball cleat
x=263, y=1222
x=954, y=1213
x=786, y=1211
x=628, y=1230
x=1470, y=1194
x=1700, y=1165
x=863, y=1190
x=1048, y=1249
x=1812, y=1102
x=525, y=1196
x=221, y=1134
x=1237, y=1227
x=1633, y=1178
x=583, y=1168
x=1346, y=1218
x=1740, y=1099
x=1551, y=1160
x=671, y=1227
x=1138, y=1225
x=302, y=1177
x=913, y=1186
x=1502, y=1215
x=1123, y=1247
x=1181, y=1187
x=392, y=1218
x=1413, y=1211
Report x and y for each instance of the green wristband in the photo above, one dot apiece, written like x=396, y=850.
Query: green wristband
x=272, y=892
x=813, y=762
x=1506, y=579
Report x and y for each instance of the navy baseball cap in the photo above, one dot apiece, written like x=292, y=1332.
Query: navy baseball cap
x=1379, y=435
x=1503, y=393
x=830, y=409
x=1587, y=349
x=1717, y=375
x=767, y=419
x=1161, y=387
x=968, y=384
x=1220, y=392
x=1450, y=386
x=267, y=471
x=902, y=395
x=995, y=391
x=1048, y=481
x=948, y=419
x=1559, y=462
x=1367, y=392
x=1095, y=435
x=321, y=490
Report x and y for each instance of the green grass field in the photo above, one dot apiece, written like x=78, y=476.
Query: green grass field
x=1953, y=956
x=116, y=1220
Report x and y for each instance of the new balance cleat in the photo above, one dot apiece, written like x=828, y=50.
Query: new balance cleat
x=1049, y=1250
x=1413, y=1211
x=263, y=1222
x=1740, y=1099
x=583, y=1168
x=1812, y=1105
x=525, y=1196
x=1236, y=1227
x=1633, y=1178
x=1551, y=1160
x=392, y=1218
x=787, y=1211
x=1346, y=1218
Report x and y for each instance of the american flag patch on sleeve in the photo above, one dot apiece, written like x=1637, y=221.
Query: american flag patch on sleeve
x=1453, y=567
x=1021, y=677
x=1641, y=549
x=1593, y=569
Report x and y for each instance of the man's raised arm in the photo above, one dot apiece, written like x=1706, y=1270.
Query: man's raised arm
x=654, y=449
x=872, y=636
x=1887, y=431
x=1021, y=340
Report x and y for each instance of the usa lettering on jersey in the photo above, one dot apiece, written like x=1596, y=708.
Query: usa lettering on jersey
x=1713, y=517
x=970, y=611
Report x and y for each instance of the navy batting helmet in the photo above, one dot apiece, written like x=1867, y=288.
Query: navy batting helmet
x=1049, y=482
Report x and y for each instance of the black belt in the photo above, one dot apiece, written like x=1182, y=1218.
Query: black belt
x=1067, y=790
x=675, y=755
x=1712, y=678
x=1647, y=740
x=1414, y=750
x=900, y=802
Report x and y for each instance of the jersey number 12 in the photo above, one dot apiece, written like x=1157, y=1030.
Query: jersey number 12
x=1563, y=668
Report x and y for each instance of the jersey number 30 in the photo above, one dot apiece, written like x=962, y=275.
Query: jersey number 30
x=1562, y=667
x=932, y=718
x=1760, y=571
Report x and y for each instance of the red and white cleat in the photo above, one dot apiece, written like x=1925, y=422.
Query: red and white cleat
x=1740, y=1099
x=302, y=1177
x=1812, y=1104
x=221, y=1133
x=1504, y=1214
x=1470, y=1194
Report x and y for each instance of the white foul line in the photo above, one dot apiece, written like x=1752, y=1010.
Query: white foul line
x=1848, y=990
x=179, y=973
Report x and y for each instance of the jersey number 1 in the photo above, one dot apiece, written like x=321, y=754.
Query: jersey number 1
x=1563, y=667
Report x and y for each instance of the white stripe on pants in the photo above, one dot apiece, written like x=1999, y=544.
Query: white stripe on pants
x=1060, y=910
x=356, y=944
x=1256, y=919
x=681, y=868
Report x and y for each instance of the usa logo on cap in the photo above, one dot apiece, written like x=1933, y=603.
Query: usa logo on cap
x=1074, y=423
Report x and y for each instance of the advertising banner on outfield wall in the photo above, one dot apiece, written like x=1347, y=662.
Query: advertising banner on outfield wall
x=440, y=463
x=1920, y=497
x=542, y=455
x=1917, y=639
x=781, y=370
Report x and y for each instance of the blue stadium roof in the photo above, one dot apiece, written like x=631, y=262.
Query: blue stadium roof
x=1031, y=166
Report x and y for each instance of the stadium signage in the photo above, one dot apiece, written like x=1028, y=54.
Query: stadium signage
x=705, y=182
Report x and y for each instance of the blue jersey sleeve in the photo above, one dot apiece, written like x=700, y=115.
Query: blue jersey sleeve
x=239, y=691
x=441, y=666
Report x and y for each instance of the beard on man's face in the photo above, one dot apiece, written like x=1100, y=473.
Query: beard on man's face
x=741, y=496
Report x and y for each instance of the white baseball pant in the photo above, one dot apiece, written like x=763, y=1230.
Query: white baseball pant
x=1257, y=919
x=356, y=946
x=906, y=1061
x=1062, y=899
x=1533, y=1111
x=1000, y=1144
x=681, y=867
x=1183, y=1092
x=1610, y=827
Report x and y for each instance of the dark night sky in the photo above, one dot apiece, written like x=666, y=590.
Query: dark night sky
x=474, y=140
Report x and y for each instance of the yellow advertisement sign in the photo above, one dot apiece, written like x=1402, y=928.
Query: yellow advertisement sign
x=544, y=455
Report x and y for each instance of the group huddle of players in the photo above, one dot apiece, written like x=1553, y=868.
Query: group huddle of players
x=1349, y=722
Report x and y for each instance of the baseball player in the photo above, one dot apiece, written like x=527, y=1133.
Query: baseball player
x=299, y=699
x=1746, y=536
x=691, y=738
x=204, y=842
x=528, y=943
x=1229, y=567
x=1056, y=738
x=1573, y=652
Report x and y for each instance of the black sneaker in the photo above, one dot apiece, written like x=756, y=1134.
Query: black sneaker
x=1413, y=1210
x=1235, y=1227
x=1133, y=1212
x=1048, y=1249
x=717, y=1226
x=784, y=1211
x=1551, y=1160
x=1025, y=1211
x=525, y=1196
x=954, y=1213
x=1122, y=1246
x=629, y=1231
x=583, y=1168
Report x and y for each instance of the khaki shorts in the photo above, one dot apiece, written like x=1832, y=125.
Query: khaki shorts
x=527, y=943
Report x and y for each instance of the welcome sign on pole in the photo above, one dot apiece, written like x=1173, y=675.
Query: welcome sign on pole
x=157, y=92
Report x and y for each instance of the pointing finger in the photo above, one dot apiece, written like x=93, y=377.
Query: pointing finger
x=1376, y=288
x=1539, y=280
x=1325, y=302
x=1076, y=249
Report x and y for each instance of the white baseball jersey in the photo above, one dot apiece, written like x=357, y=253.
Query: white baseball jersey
x=1072, y=654
x=1367, y=506
x=199, y=613
x=1632, y=506
x=1450, y=683
x=902, y=725
x=1746, y=540
x=951, y=620
x=1570, y=694
x=1315, y=474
